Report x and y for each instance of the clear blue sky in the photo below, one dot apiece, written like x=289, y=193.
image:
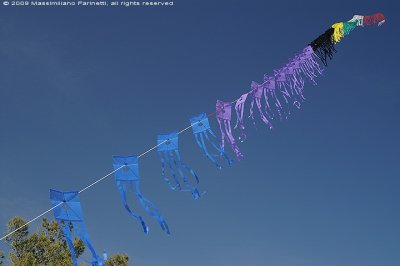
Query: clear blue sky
x=80, y=85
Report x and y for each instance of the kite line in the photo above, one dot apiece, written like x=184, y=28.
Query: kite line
x=82, y=190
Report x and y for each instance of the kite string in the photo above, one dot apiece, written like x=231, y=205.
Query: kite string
x=102, y=178
x=34, y=219
x=98, y=180
x=89, y=186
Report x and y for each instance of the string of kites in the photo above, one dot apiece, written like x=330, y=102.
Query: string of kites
x=273, y=99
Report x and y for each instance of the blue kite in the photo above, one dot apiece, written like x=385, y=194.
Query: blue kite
x=126, y=173
x=203, y=133
x=67, y=210
x=169, y=155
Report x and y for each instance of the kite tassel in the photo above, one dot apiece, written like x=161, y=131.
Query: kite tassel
x=81, y=231
x=278, y=105
x=217, y=147
x=323, y=46
x=68, y=237
x=239, y=107
x=165, y=160
x=201, y=139
x=283, y=90
x=226, y=131
x=298, y=84
x=180, y=166
x=151, y=209
x=121, y=185
x=338, y=32
x=256, y=95
x=267, y=107
x=293, y=86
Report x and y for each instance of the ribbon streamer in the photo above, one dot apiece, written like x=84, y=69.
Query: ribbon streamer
x=169, y=156
x=224, y=117
x=126, y=175
x=204, y=135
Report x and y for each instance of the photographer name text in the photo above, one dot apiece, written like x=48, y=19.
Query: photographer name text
x=87, y=3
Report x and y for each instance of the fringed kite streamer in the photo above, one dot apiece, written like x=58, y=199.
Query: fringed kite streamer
x=291, y=82
x=308, y=64
x=239, y=107
x=69, y=215
x=256, y=95
x=348, y=27
x=170, y=157
x=224, y=117
x=295, y=75
x=323, y=46
x=204, y=135
x=127, y=175
x=282, y=88
x=273, y=106
x=285, y=88
x=338, y=32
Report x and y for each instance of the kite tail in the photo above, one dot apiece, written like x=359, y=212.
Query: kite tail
x=309, y=64
x=68, y=237
x=256, y=93
x=165, y=159
x=202, y=130
x=202, y=145
x=307, y=69
x=263, y=117
x=121, y=185
x=270, y=95
x=226, y=130
x=224, y=117
x=179, y=165
x=239, y=107
x=251, y=115
x=281, y=84
x=299, y=82
x=267, y=108
x=81, y=231
x=284, y=109
x=218, y=148
x=298, y=85
x=295, y=90
x=151, y=209
x=323, y=46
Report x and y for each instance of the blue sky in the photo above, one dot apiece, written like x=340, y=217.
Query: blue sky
x=80, y=85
